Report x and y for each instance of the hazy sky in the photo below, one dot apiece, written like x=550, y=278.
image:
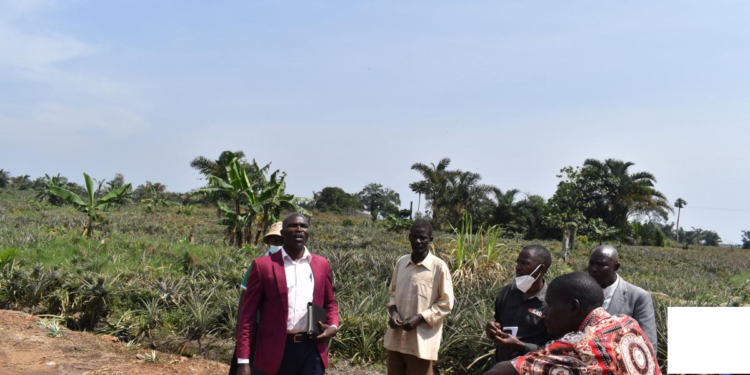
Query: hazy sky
x=344, y=93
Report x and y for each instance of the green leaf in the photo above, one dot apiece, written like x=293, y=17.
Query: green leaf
x=215, y=183
x=256, y=208
x=267, y=195
x=89, y=188
x=110, y=200
x=223, y=207
x=68, y=196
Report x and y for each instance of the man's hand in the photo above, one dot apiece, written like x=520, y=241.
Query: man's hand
x=395, y=320
x=507, y=341
x=492, y=329
x=243, y=369
x=328, y=331
x=413, y=322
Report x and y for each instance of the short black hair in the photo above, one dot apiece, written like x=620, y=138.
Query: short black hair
x=422, y=223
x=285, y=222
x=580, y=286
x=540, y=252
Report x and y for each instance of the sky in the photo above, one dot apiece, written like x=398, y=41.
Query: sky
x=345, y=93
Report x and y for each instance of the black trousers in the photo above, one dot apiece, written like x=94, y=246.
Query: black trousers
x=301, y=359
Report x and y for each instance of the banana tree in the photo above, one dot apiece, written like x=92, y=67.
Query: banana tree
x=238, y=190
x=274, y=201
x=92, y=207
x=43, y=192
x=155, y=201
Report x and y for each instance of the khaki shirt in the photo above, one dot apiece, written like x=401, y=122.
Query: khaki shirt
x=425, y=288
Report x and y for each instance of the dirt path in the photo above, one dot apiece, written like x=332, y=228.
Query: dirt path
x=25, y=349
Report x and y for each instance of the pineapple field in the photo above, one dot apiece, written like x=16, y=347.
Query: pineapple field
x=166, y=278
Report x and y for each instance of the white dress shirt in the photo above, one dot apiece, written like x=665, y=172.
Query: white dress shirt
x=609, y=292
x=300, y=284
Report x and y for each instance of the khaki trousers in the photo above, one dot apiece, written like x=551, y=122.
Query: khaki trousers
x=405, y=364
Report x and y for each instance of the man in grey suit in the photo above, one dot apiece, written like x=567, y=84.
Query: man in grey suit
x=620, y=296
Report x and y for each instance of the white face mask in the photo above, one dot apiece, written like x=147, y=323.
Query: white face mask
x=524, y=283
x=274, y=249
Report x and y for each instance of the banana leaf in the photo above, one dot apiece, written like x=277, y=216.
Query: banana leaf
x=68, y=196
x=89, y=189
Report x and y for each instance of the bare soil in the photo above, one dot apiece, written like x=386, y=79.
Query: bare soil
x=25, y=349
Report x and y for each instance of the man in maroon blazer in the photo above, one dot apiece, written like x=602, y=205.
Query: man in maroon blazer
x=279, y=287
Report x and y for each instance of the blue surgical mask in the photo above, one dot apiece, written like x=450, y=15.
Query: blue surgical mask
x=273, y=249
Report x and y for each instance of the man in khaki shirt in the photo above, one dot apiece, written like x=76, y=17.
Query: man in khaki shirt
x=421, y=295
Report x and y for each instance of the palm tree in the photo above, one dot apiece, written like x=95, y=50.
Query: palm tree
x=218, y=168
x=21, y=182
x=711, y=238
x=436, y=179
x=503, y=213
x=529, y=215
x=679, y=203
x=419, y=187
x=622, y=193
x=465, y=194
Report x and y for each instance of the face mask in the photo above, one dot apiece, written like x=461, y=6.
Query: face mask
x=524, y=283
x=274, y=249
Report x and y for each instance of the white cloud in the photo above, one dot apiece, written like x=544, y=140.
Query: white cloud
x=35, y=55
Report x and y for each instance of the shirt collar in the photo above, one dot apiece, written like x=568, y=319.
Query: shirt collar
x=595, y=316
x=542, y=293
x=609, y=291
x=305, y=255
x=426, y=262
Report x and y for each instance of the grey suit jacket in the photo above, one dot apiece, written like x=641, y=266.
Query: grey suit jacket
x=636, y=303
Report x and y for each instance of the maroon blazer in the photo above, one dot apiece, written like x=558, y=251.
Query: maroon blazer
x=267, y=293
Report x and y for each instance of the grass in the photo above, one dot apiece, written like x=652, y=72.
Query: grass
x=153, y=284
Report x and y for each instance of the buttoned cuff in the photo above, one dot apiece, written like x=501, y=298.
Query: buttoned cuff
x=243, y=361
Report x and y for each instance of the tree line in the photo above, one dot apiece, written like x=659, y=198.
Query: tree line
x=602, y=200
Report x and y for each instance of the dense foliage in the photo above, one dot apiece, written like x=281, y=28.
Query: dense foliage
x=336, y=200
x=379, y=201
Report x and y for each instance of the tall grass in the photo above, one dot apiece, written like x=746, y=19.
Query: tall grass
x=475, y=246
